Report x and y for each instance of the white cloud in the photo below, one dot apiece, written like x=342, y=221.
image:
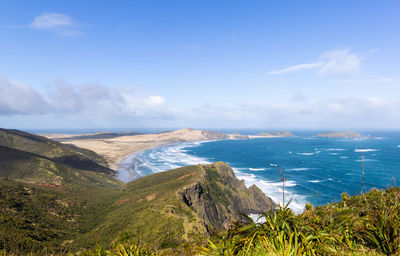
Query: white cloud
x=19, y=98
x=94, y=104
x=93, y=100
x=296, y=68
x=338, y=62
x=56, y=23
x=52, y=20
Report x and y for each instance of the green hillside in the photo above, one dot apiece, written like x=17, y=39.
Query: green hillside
x=35, y=159
x=173, y=212
x=64, y=153
x=37, y=218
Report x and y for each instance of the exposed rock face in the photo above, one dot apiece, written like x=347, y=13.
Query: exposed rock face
x=220, y=198
x=348, y=134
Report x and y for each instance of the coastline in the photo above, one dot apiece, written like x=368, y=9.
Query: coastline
x=118, y=167
x=116, y=149
x=116, y=164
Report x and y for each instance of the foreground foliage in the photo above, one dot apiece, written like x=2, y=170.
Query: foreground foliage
x=360, y=225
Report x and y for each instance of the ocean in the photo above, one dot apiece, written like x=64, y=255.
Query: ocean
x=317, y=169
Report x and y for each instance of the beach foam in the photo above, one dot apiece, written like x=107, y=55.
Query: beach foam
x=274, y=190
x=157, y=160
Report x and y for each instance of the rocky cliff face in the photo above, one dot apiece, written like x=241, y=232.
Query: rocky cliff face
x=219, y=198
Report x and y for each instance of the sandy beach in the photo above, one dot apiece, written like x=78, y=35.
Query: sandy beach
x=116, y=149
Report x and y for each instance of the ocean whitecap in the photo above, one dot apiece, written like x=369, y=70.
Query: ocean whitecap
x=306, y=154
x=257, y=169
x=365, y=150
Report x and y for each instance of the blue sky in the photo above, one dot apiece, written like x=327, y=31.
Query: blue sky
x=202, y=64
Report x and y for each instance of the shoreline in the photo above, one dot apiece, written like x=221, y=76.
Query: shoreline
x=116, y=149
x=120, y=161
x=116, y=166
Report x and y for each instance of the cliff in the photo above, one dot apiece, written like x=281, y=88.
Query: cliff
x=219, y=198
x=180, y=206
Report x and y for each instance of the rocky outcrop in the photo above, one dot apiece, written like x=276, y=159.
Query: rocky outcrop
x=347, y=134
x=210, y=135
x=220, y=199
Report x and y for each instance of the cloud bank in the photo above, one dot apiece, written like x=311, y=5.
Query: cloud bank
x=93, y=104
x=62, y=98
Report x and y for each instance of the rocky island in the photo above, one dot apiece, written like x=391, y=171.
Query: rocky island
x=346, y=135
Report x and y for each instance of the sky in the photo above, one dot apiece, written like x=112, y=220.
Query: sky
x=202, y=64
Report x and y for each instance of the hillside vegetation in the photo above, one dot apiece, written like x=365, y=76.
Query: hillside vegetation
x=47, y=206
x=35, y=159
x=50, y=207
x=368, y=224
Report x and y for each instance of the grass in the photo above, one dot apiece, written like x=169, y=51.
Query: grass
x=367, y=224
x=35, y=218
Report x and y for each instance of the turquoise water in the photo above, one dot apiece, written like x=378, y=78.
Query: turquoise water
x=317, y=169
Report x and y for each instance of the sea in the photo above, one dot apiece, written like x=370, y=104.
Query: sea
x=316, y=170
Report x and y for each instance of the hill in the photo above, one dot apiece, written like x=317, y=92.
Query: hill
x=35, y=159
x=99, y=135
x=49, y=148
x=173, y=212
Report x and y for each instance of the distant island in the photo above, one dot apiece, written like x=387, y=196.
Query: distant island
x=346, y=135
